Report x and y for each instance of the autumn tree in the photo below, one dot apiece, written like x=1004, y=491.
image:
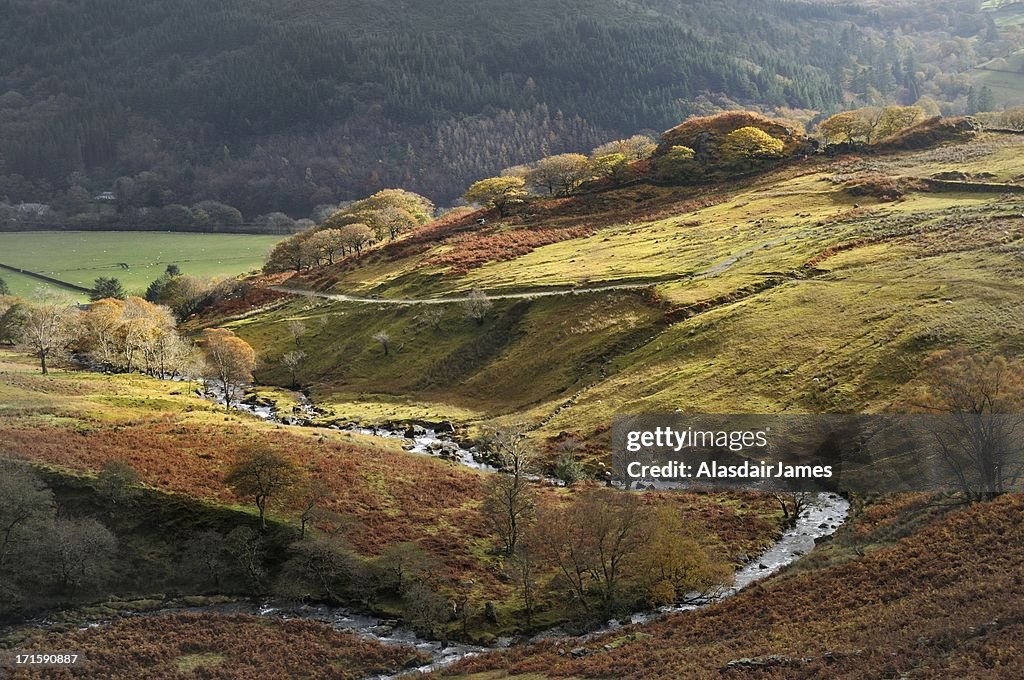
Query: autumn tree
x=326, y=245
x=135, y=334
x=501, y=193
x=419, y=207
x=356, y=237
x=671, y=562
x=636, y=148
x=560, y=174
x=978, y=440
x=230, y=362
x=749, y=143
x=613, y=166
x=293, y=253
x=143, y=328
x=594, y=543
x=895, y=119
x=847, y=127
x=510, y=500
x=261, y=475
x=679, y=163
x=386, y=213
x=396, y=220
x=868, y=124
x=49, y=329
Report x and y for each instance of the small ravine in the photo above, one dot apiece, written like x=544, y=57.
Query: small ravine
x=817, y=521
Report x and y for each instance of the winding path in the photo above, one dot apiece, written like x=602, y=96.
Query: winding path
x=454, y=299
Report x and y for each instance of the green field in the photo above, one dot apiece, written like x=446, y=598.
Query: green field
x=79, y=257
x=1005, y=12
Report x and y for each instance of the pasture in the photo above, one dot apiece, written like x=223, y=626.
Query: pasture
x=80, y=257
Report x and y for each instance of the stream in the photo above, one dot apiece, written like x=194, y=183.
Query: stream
x=820, y=519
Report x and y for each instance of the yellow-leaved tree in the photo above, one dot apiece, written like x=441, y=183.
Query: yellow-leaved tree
x=230, y=361
x=749, y=143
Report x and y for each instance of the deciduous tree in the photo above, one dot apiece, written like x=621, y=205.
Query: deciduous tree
x=560, y=174
x=510, y=500
x=230, y=362
x=979, y=441
x=49, y=329
x=501, y=193
x=750, y=143
x=637, y=147
x=262, y=475
x=478, y=305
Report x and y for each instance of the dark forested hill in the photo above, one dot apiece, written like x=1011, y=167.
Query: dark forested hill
x=282, y=105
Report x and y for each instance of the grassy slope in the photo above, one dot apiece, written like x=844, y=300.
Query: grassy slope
x=524, y=353
x=780, y=295
x=81, y=257
x=940, y=602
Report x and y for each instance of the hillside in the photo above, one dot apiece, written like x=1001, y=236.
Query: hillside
x=939, y=603
x=283, y=106
x=793, y=291
x=809, y=282
x=380, y=504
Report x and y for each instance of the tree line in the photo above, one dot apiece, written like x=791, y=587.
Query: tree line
x=124, y=336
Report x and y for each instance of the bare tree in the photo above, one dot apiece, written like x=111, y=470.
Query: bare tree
x=478, y=305
x=400, y=565
x=979, y=443
x=323, y=567
x=385, y=341
x=311, y=494
x=296, y=330
x=118, y=483
x=246, y=550
x=206, y=555
x=48, y=330
x=293, y=362
x=261, y=475
x=24, y=502
x=793, y=504
x=525, y=564
x=594, y=542
x=81, y=552
x=510, y=500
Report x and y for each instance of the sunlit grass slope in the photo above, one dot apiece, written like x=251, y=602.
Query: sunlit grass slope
x=784, y=292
